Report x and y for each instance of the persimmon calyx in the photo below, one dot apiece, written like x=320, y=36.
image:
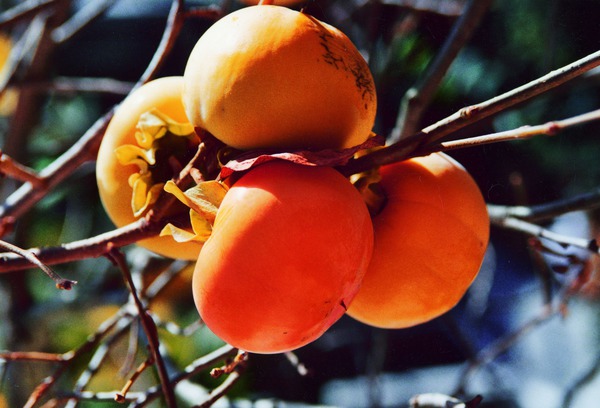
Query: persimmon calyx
x=160, y=139
x=203, y=200
x=368, y=184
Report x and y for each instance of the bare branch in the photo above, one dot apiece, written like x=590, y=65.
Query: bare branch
x=418, y=97
x=490, y=353
x=446, y=8
x=17, y=171
x=469, y=115
x=221, y=390
x=582, y=202
x=84, y=150
x=83, y=249
x=149, y=328
x=474, y=113
x=78, y=85
x=24, y=10
x=173, y=27
x=32, y=356
x=192, y=369
x=88, y=13
x=541, y=232
x=60, y=282
x=521, y=133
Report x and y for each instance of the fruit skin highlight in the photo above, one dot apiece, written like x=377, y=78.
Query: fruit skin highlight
x=112, y=177
x=430, y=240
x=271, y=77
x=289, y=247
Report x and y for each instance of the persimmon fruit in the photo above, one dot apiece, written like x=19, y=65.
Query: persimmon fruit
x=271, y=77
x=113, y=177
x=289, y=246
x=430, y=239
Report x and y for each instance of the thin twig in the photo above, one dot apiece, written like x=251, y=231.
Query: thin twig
x=149, y=328
x=69, y=85
x=211, y=12
x=87, y=146
x=451, y=8
x=120, y=322
x=174, y=25
x=469, y=115
x=48, y=382
x=583, y=380
x=121, y=396
x=88, y=13
x=296, y=363
x=86, y=248
x=17, y=171
x=33, y=356
x=418, y=97
x=540, y=212
x=221, y=390
x=521, y=133
x=541, y=232
x=24, y=10
x=82, y=151
x=496, y=349
x=192, y=369
x=60, y=282
x=474, y=113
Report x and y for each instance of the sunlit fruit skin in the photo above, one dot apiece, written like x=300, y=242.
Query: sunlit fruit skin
x=112, y=176
x=430, y=240
x=289, y=247
x=271, y=77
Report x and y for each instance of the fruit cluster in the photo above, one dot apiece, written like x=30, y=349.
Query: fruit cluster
x=284, y=244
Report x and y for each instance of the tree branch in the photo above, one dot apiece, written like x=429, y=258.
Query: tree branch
x=418, y=97
x=469, y=115
x=149, y=328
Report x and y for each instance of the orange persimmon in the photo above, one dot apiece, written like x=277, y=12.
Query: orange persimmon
x=271, y=77
x=136, y=155
x=430, y=239
x=288, y=250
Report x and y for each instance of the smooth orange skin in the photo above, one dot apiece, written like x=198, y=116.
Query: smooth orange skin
x=430, y=240
x=271, y=77
x=289, y=248
x=112, y=177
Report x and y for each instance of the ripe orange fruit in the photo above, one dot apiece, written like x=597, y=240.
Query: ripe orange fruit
x=430, y=239
x=113, y=177
x=288, y=250
x=271, y=77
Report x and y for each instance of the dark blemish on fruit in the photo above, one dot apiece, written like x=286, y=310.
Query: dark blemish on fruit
x=342, y=59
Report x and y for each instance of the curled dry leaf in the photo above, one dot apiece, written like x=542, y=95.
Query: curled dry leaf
x=203, y=200
x=327, y=157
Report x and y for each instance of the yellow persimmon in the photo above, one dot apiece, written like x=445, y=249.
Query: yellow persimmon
x=271, y=77
x=148, y=133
